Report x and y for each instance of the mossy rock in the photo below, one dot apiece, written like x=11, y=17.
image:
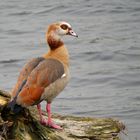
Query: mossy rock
x=26, y=126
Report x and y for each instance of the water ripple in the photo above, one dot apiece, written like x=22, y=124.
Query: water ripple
x=10, y=61
x=23, y=13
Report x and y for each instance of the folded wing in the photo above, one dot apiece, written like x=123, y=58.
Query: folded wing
x=34, y=78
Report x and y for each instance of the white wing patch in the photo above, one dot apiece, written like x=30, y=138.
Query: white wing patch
x=64, y=75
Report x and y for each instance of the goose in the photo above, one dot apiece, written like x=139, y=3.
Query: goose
x=43, y=78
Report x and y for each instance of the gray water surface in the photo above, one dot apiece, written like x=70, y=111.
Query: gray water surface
x=105, y=59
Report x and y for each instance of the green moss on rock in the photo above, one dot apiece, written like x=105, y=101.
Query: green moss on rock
x=26, y=126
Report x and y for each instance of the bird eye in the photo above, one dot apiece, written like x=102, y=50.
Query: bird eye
x=64, y=27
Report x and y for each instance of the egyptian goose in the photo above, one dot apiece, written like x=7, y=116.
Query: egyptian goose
x=43, y=78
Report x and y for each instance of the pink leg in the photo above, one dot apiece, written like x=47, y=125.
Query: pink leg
x=43, y=121
x=40, y=112
x=49, y=121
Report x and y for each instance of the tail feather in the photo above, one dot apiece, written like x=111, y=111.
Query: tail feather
x=11, y=110
x=14, y=107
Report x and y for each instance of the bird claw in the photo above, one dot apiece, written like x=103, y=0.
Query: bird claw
x=50, y=124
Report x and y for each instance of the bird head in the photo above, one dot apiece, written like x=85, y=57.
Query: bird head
x=60, y=29
x=55, y=33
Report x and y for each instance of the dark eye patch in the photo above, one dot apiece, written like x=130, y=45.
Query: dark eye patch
x=64, y=26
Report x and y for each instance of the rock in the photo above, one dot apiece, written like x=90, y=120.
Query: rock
x=25, y=126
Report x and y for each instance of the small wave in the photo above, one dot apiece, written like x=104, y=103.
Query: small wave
x=17, y=32
x=100, y=56
x=50, y=9
x=24, y=13
x=10, y=61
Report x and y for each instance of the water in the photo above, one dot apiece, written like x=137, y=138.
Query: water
x=105, y=59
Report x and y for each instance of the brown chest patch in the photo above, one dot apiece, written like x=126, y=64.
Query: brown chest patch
x=53, y=43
